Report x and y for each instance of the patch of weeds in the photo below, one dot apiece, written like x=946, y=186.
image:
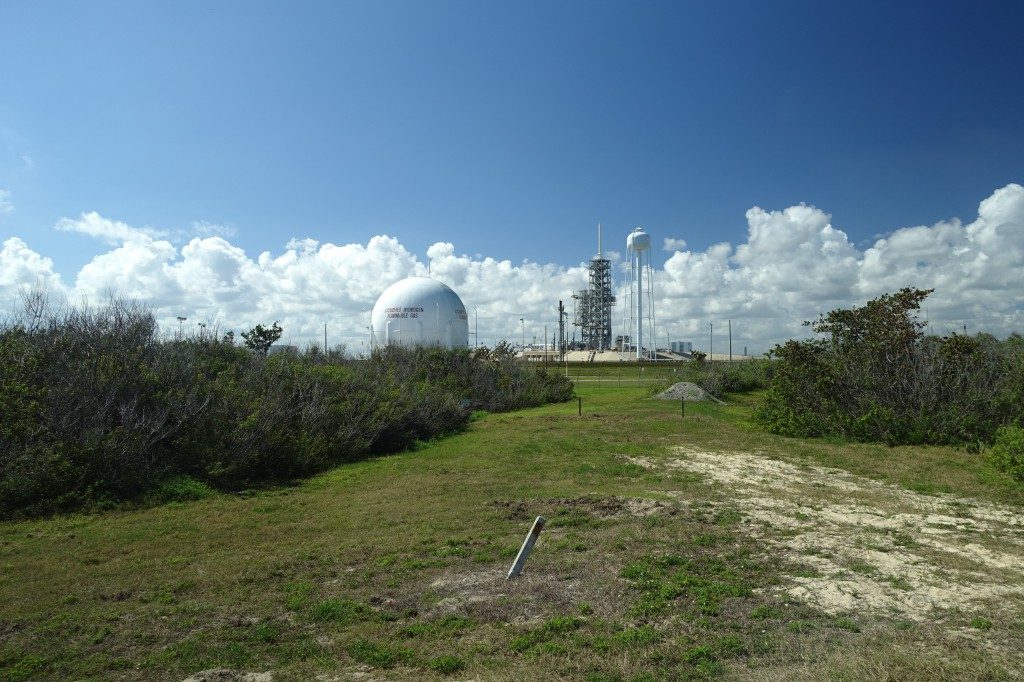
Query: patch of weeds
x=572, y=518
x=99, y=636
x=266, y=633
x=451, y=550
x=340, y=611
x=551, y=629
x=650, y=522
x=387, y=560
x=862, y=567
x=712, y=539
x=443, y=627
x=800, y=626
x=980, y=623
x=698, y=654
x=704, y=582
x=378, y=654
x=446, y=665
x=584, y=608
x=816, y=551
x=483, y=556
x=297, y=595
x=730, y=646
x=805, y=571
x=844, y=623
x=640, y=636
x=415, y=564
x=22, y=667
x=728, y=517
x=900, y=583
x=904, y=540
x=180, y=489
x=765, y=612
x=238, y=655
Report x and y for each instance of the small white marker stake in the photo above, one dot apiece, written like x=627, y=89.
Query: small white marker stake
x=524, y=551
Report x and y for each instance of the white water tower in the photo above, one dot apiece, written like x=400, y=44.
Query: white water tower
x=639, y=321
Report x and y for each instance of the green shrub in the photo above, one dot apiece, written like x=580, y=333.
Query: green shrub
x=181, y=489
x=875, y=376
x=447, y=665
x=1007, y=452
x=95, y=407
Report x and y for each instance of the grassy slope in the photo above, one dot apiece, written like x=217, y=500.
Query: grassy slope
x=396, y=563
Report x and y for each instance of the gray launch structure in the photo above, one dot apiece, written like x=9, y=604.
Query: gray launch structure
x=594, y=304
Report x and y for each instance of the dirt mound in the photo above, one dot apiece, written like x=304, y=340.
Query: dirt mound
x=687, y=391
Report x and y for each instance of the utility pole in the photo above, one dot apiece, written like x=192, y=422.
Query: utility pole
x=730, y=342
x=476, y=329
x=561, y=330
x=523, y=322
x=711, y=350
x=325, y=338
x=545, y=345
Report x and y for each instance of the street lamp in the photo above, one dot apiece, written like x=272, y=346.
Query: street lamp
x=181, y=321
x=523, y=322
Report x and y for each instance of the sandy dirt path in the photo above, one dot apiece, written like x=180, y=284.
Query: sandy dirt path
x=868, y=547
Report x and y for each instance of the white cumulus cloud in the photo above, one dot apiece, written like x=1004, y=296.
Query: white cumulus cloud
x=22, y=269
x=673, y=244
x=793, y=264
x=109, y=231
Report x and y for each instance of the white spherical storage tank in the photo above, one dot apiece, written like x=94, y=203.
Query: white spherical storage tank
x=419, y=311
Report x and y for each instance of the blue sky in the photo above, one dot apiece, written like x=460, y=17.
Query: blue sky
x=507, y=129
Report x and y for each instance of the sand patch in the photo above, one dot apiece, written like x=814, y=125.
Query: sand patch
x=863, y=545
x=486, y=596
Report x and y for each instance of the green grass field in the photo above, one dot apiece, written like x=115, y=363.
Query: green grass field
x=394, y=567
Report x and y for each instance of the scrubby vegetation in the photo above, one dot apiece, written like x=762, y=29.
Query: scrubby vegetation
x=96, y=407
x=875, y=376
x=1007, y=453
x=720, y=378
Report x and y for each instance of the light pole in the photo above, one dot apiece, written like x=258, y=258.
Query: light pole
x=730, y=341
x=476, y=329
x=711, y=344
x=523, y=322
x=181, y=321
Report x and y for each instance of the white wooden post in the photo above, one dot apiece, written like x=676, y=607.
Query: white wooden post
x=524, y=551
